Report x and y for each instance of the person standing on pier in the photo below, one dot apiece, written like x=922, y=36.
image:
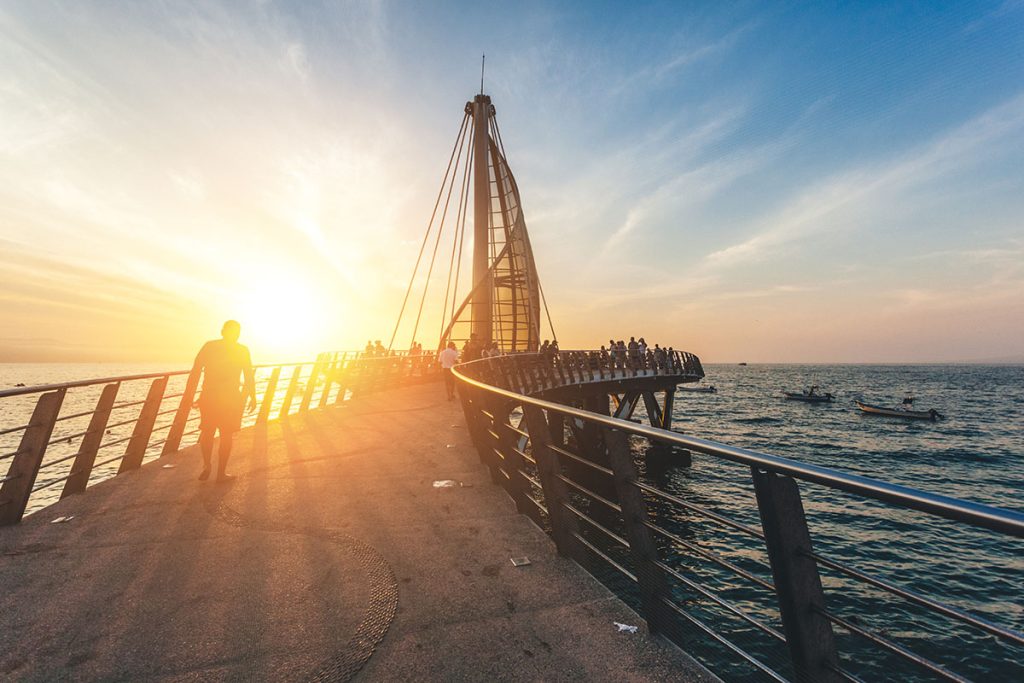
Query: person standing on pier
x=448, y=358
x=223, y=362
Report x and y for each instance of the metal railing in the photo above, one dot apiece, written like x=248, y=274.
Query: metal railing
x=749, y=596
x=535, y=372
x=48, y=448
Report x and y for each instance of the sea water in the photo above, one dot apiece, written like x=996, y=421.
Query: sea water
x=975, y=453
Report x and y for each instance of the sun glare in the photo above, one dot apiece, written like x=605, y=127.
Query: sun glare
x=285, y=320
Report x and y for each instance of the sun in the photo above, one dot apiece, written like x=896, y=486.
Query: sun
x=286, y=320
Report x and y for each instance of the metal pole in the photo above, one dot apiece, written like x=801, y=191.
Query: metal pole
x=481, y=305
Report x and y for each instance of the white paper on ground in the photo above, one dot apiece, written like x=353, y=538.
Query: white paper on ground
x=444, y=483
x=625, y=627
x=61, y=520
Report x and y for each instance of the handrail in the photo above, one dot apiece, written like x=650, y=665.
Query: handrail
x=39, y=388
x=975, y=514
x=330, y=376
x=574, y=450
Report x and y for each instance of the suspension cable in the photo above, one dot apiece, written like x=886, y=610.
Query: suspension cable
x=458, y=262
x=459, y=138
x=440, y=231
x=460, y=215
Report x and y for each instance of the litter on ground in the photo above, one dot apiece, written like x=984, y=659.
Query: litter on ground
x=625, y=627
x=444, y=483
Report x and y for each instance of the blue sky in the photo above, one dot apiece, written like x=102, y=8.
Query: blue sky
x=750, y=181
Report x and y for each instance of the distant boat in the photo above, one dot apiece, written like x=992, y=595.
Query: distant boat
x=905, y=411
x=700, y=390
x=808, y=396
x=742, y=363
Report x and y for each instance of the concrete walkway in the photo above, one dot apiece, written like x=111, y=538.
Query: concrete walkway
x=331, y=556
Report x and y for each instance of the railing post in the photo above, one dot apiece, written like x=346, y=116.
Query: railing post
x=268, y=396
x=342, y=378
x=518, y=485
x=471, y=410
x=289, y=394
x=328, y=380
x=809, y=635
x=81, y=468
x=651, y=580
x=307, y=396
x=137, y=445
x=564, y=526
x=21, y=476
x=177, y=430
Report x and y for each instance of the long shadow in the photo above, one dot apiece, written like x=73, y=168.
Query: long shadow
x=122, y=623
x=319, y=537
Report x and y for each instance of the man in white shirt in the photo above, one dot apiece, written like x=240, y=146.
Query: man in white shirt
x=448, y=358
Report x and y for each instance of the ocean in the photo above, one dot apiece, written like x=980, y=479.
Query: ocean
x=976, y=453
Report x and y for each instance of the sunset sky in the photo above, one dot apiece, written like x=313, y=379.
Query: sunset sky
x=758, y=182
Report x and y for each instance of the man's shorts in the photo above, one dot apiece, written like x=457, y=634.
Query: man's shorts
x=221, y=411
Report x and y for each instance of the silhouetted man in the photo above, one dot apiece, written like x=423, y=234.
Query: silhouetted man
x=223, y=363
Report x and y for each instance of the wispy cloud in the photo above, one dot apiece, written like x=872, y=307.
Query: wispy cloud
x=809, y=212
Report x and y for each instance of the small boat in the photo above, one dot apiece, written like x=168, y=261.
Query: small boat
x=808, y=396
x=742, y=363
x=905, y=410
x=700, y=390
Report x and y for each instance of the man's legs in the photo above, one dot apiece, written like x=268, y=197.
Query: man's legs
x=206, y=446
x=449, y=383
x=223, y=453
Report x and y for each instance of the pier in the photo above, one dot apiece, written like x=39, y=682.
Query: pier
x=332, y=553
x=375, y=530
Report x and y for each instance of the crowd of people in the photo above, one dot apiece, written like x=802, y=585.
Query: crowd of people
x=374, y=349
x=634, y=353
x=637, y=353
